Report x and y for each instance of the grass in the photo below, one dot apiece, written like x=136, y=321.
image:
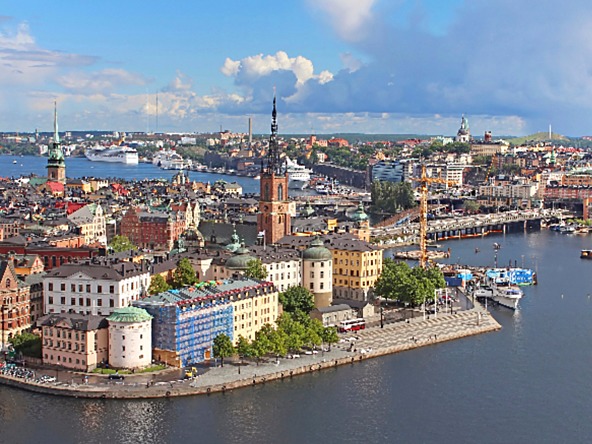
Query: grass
x=110, y=371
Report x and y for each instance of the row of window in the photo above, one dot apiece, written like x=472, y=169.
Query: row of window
x=63, y=334
x=64, y=359
x=81, y=288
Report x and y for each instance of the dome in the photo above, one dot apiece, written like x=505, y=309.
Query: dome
x=317, y=251
x=240, y=260
x=359, y=215
x=129, y=315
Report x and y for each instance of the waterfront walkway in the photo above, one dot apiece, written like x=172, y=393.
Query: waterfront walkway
x=355, y=347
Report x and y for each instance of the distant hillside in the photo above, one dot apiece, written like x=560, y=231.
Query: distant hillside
x=538, y=137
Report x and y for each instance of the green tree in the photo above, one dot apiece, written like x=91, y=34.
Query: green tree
x=27, y=344
x=471, y=206
x=223, y=347
x=256, y=270
x=184, y=274
x=329, y=336
x=158, y=285
x=400, y=282
x=243, y=347
x=296, y=299
x=121, y=243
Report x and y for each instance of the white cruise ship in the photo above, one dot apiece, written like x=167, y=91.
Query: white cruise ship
x=114, y=154
x=170, y=160
x=298, y=175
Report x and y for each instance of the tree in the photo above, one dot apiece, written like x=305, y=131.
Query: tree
x=329, y=336
x=400, y=282
x=471, y=206
x=243, y=347
x=121, y=243
x=256, y=270
x=223, y=347
x=184, y=274
x=158, y=285
x=27, y=344
x=296, y=299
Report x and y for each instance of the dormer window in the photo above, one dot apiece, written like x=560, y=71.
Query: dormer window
x=7, y=283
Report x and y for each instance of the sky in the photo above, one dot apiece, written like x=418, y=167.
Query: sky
x=337, y=66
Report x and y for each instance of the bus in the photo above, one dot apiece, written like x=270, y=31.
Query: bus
x=351, y=325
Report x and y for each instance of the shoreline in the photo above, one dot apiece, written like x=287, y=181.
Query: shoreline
x=398, y=337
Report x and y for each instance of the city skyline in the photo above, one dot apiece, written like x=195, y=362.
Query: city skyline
x=365, y=66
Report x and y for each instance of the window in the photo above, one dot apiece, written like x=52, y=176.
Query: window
x=62, y=287
x=99, y=288
x=322, y=274
x=63, y=300
x=322, y=285
x=50, y=286
x=111, y=303
x=88, y=302
x=72, y=301
x=72, y=288
x=88, y=288
x=81, y=301
x=50, y=299
x=111, y=289
x=100, y=302
x=311, y=286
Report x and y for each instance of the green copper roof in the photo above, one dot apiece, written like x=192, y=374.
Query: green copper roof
x=129, y=315
x=317, y=251
x=359, y=215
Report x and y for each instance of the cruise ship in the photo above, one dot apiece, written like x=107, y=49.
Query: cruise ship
x=298, y=175
x=170, y=160
x=114, y=154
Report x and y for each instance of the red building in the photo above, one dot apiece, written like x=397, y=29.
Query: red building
x=15, y=303
x=155, y=231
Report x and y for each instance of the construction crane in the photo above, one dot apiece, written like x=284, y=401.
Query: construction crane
x=424, y=181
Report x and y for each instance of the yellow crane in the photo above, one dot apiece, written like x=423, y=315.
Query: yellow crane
x=424, y=181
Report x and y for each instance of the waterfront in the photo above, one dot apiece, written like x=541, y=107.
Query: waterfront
x=77, y=167
x=528, y=382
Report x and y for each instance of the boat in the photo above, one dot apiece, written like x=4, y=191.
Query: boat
x=14, y=161
x=298, y=175
x=586, y=254
x=507, y=294
x=503, y=293
x=513, y=275
x=170, y=160
x=114, y=154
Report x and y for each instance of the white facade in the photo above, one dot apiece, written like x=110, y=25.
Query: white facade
x=91, y=289
x=283, y=274
x=317, y=276
x=130, y=344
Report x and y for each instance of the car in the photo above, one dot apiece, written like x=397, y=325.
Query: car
x=116, y=377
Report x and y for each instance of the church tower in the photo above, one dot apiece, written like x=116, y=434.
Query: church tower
x=56, y=165
x=273, y=220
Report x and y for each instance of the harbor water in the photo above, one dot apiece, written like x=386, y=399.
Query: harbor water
x=529, y=382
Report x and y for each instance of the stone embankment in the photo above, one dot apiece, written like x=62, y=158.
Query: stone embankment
x=357, y=347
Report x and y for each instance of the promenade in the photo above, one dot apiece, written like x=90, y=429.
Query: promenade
x=355, y=347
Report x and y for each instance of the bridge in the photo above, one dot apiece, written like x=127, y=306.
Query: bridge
x=467, y=226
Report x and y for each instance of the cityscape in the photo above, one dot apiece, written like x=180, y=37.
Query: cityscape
x=306, y=253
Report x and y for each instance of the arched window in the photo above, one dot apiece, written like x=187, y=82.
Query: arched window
x=7, y=283
x=280, y=192
x=266, y=193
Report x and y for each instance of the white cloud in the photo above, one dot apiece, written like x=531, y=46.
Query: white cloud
x=349, y=18
x=104, y=81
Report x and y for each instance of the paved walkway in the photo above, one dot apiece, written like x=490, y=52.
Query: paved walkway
x=368, y=343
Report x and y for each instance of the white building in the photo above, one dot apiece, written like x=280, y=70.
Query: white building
x=317, y=272
x=95, y=287
x=92, y=223
x=130, y=338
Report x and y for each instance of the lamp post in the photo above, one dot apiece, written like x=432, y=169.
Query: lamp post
x=381, y=316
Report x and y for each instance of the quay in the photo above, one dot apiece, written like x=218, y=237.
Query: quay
x=370, y=343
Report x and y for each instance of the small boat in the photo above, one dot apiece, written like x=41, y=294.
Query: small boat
x=14, y=161
x=586, y=254
x=496, y=246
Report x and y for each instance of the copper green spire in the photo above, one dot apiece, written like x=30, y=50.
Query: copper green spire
x=56, y=135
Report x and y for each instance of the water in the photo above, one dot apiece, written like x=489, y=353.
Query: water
x=77, y=167
x=530, y=382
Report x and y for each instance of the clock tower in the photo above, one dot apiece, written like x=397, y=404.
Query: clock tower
x=273, y=220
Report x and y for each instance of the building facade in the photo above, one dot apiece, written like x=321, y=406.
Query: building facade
x=153, y=230
x=74, y=341
x=95, y=287
x=130, y=338
x=15, y=300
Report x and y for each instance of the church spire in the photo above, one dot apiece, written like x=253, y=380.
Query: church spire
x=272, y=164
x=56, y=135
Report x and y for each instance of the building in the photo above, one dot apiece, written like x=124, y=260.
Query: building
x=91, y=221
x=130, y=338
x=464, y=132
x=94, y=287
x=317, y=272
x=333, y=315
x=357, y=264
x=153, y=230
x=273, y=220
x=74, y=341
x=15, y=303
x=187, y=321
x=56, y=165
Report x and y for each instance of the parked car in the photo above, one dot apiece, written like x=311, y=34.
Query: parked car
x=116, y=377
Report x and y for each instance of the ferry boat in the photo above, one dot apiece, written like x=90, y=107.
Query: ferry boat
x=170, y=160
x=113, y=154
x=298, y=175
x=503, y=293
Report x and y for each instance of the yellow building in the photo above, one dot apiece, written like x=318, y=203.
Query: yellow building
x=357, y=264
x=254, y=306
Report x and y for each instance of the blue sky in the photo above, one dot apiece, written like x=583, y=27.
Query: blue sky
x=375, y=66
